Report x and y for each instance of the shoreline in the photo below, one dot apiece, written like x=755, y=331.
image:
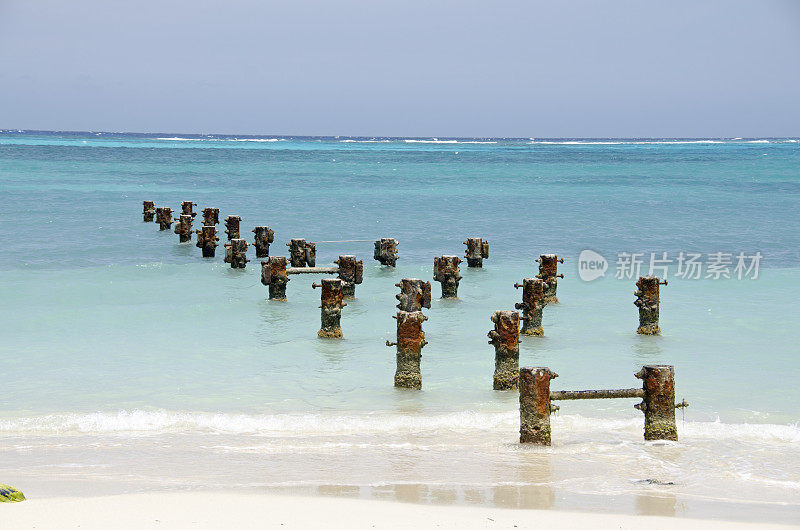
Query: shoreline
x=256, y=510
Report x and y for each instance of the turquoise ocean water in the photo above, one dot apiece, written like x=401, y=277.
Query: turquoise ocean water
x=130, y=363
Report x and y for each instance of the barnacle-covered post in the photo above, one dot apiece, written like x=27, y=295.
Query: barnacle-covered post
x=648, y=299
x=548, y=271
x=410, y=341
x=447, y=272
x=184, y=228
x=210, y=216
x=351, y=272
x=187, y=208
x=477, y=251
x=164, y=218
x=331, y=305
x=505, y=338
x=414, y=294
x=232, y=226
x=658, y=382
x=386, y=251
x=236, y=253
x=532, y=305
x=207, y=240
x=264, y=235
x=534, y=405
x=273, y=274
x=148, y=211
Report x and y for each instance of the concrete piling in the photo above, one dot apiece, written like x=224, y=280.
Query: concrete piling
x=477, y=251
x=447, y=272
x=658, y=405
x=532, y=304
x=164, y=218
x=302, y=253
x=414, y=295
x=351, y=272
x=148, y=211
x=505, y=338
x=264, y=235
x=236, y=253
x=232, y=226
x=410, y=341
x=210, y=216
x=648, y=299
x=548, y=271
x=273, y=274
x=207, y=240
x=534, y=405
x=184, y=228
x=331, y=306
x=187, y=208
x=386, y=251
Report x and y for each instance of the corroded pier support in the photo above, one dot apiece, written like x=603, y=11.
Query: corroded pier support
x=210, y=216
x=301, y=253
x=477, y=251
x=410, y=341
x=505, y=338
x=187, y=208
x=184, y=228
x=351, y=272
x=148, y=211
x=232, y=226
x=447, y=272
x=532, y=305
x=648, y=299
x=331, y=305
x=386, y=251
x=264, y=235
x=207, y=240
x=534, y=405
x=414, y=295
x=273, y=274
x=236, y=253
x=658, y=405
x=164, y=218
x=548, y=271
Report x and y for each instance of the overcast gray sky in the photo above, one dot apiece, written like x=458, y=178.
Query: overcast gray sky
x=541, y=68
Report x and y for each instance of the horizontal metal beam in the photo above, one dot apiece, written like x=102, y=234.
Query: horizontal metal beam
x=312, y=270
x=596, y=394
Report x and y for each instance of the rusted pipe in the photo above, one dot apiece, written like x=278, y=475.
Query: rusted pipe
x=386, y=251
x=532, y=304
x=164, y=218
x=301, y=253
x=414, y=294
x=312, y=270
x=184, y=228
x=187, y=208
x=447, y=272
x=505, y=338
x=548, y=272
x=658, y=405
x=534, y=405
x=207, y=240
x=477, y=251
x=264, y=235
x=236, y=253
x=331, y=306
x=596, y=394
x=148, y=211
x=351, y=272
x=210, y=216
x=648, y=300
x=232, y=226
x=273, y=274
x=410, y=341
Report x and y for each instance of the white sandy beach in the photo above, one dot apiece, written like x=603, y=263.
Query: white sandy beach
x=233, y=510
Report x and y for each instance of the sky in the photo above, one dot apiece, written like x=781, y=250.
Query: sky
x=519, y=68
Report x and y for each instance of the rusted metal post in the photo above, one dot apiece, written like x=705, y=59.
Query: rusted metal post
x=184, y=228
x=148, y=211
x=658, y=382
x=264, y=236
x=414, y=294
x=351, y=272
x=273, y=274
x=331, y=305
x=446, y=271
x=236, y=253
x=532, y=305
x=648, y=299
x=534, y=405
x=301, y=253
x=386, y=251
x=207, y=240
x=548, y=271
x=210, y=216
x=477, y=251
x=164, y=218
x=505, y=338
x=232, y=226
x=410, y=341
x=187, y=208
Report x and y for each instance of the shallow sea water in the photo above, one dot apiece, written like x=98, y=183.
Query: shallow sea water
x=130, y=363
